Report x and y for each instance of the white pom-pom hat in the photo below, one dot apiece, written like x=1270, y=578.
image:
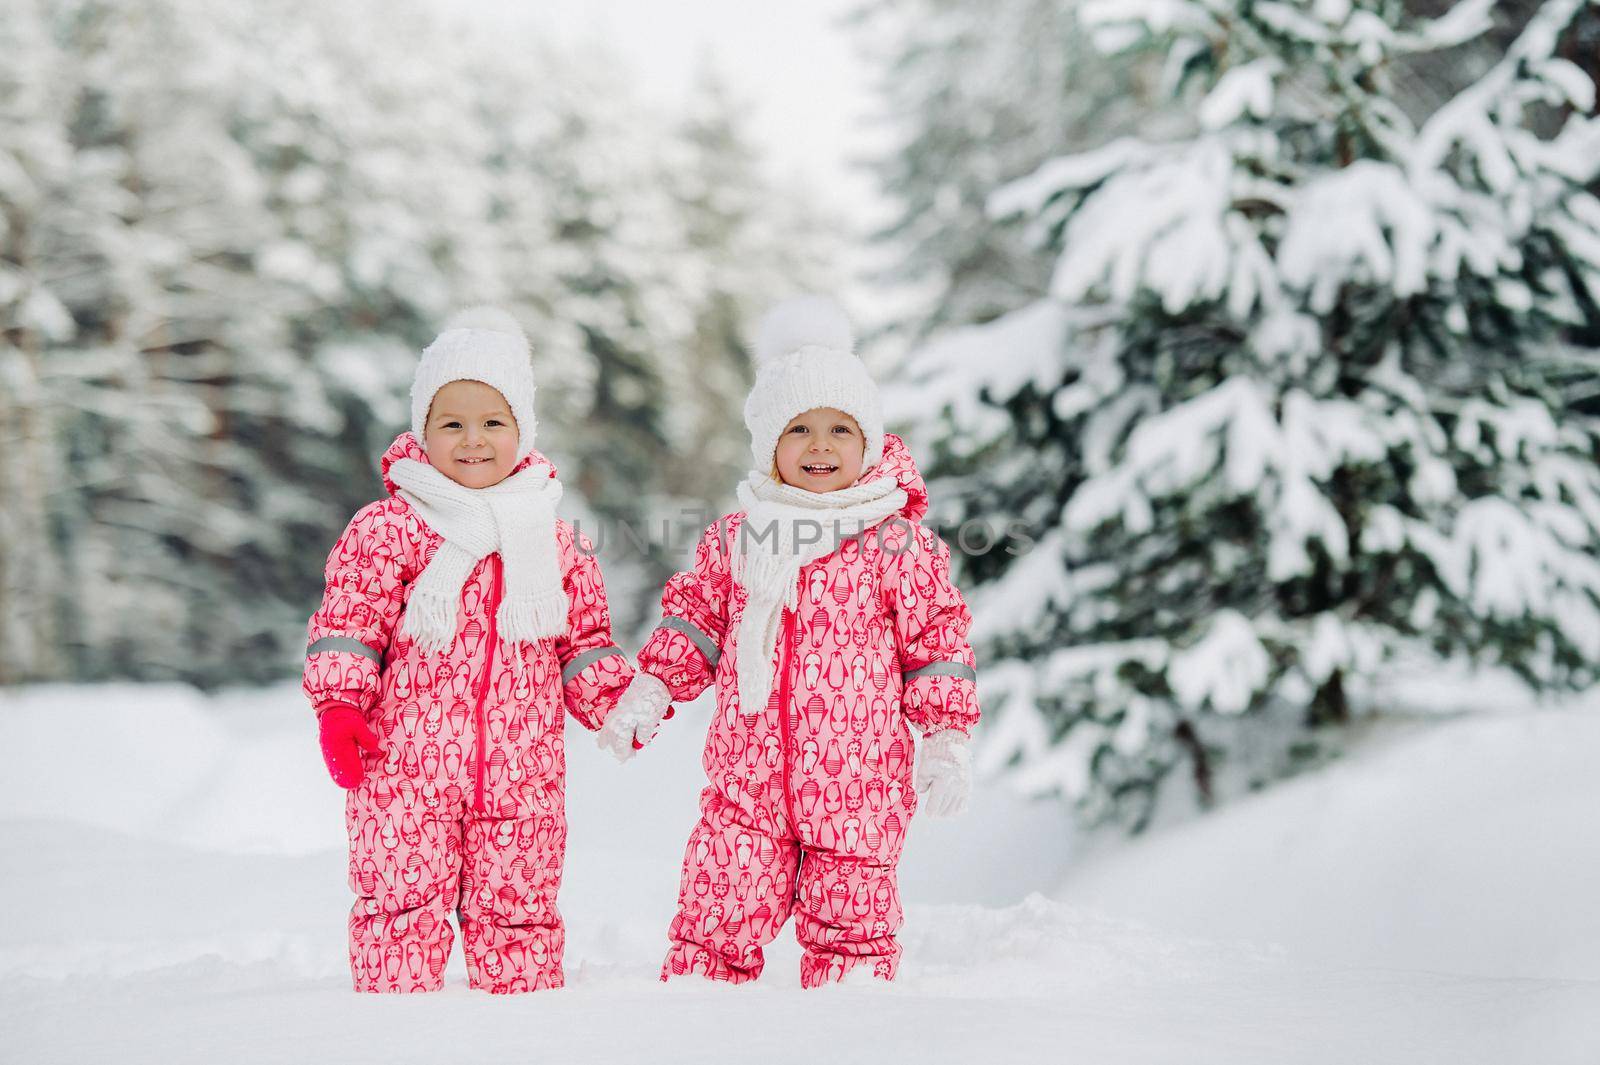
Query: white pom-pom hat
x=478, y=344
x=805, y=359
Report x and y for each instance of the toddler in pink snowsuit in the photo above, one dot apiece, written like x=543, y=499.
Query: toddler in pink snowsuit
x=828, y=622
x=462, y=620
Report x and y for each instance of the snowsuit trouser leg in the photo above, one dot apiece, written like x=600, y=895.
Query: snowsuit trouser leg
x=846, y=915
x=735, y=894
x=511, y=930
x=405, y=872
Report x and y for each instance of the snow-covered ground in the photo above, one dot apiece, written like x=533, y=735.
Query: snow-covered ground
x=174, y=889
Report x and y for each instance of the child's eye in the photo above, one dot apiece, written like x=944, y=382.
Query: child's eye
x=799, y=429
x=493, y=421
x=845, y=429
x=451, y=425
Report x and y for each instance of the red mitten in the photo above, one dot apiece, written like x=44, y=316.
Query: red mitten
x=345, y=734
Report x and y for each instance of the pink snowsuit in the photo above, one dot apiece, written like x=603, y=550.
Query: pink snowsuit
x=811, y=795
x=467, y=808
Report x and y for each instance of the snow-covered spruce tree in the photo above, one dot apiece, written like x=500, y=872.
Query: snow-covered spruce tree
x=34, y=171
x=974, y=95
x=617, y=306
x=749, y=240
x=715, y=180
x=1287, y=413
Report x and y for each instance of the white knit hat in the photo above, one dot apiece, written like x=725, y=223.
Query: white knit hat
x=805, y=359
x=478, y=344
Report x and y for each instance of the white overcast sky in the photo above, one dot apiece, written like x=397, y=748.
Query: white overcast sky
x=808, y=87
x=806, y=83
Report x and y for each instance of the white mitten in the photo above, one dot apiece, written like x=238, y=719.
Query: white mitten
x=632, y=723
x=944, y=773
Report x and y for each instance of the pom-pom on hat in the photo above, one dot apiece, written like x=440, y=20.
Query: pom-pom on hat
x=478, y=344
x=805, y=359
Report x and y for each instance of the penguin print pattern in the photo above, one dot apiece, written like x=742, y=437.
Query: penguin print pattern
x=810, y=796
x=465, y=809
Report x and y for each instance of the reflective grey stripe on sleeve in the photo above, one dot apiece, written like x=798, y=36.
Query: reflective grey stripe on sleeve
x=585, y=660
x=706, y=644
x=345, y=643
x=942, y=669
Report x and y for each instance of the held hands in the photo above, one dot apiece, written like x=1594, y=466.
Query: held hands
x=944, y=773
x=632, y=723
x=344, y=735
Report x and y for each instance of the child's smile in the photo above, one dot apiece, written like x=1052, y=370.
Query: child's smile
x=820, y=450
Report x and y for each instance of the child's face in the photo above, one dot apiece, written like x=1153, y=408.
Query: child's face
x=821, y=450
x=470, y=435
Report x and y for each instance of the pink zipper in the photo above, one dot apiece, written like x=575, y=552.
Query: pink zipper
x=783, y=713
x=479, y=717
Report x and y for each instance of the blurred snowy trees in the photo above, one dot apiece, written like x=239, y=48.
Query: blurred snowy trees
x=227, y=230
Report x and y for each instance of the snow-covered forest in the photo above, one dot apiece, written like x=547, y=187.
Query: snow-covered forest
x=1250, y=348
x=229, y=229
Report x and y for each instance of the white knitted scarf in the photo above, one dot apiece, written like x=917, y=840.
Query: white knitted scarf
x=770, y=553
x=517, y=518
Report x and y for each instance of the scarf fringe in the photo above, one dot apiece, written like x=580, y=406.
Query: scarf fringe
x=430, y=621
x=515, y=518
x=529, y=618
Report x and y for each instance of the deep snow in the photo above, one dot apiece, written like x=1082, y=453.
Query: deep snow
x=174, y=884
